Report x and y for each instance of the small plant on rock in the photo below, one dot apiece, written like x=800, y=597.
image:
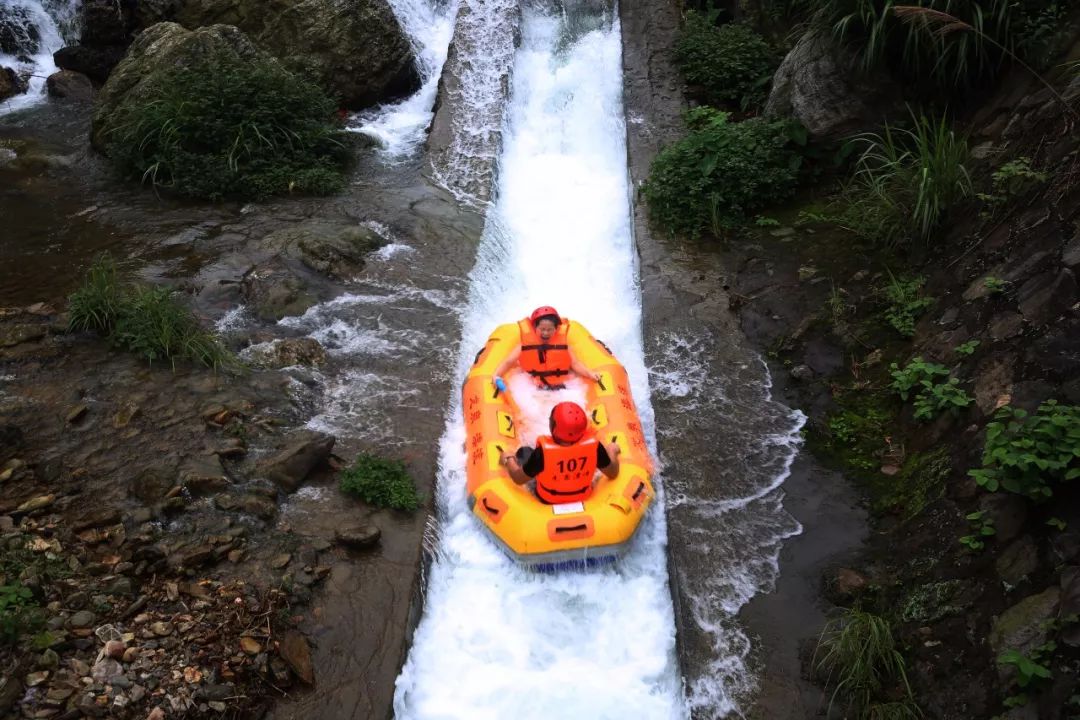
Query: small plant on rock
x=96, y=304
x=1030, y=669
x=19, y=613
x=380, y=482
x=1026, y=454
x=906, y=303
x=913, y=375
x=982, y=527
x=936, y=397
x=994, y=285
x=966, y=349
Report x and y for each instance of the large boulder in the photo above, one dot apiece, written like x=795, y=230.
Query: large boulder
x=353, y=48
x=817, y=85
x=94, y=62
x=70, y=85
x=303, y=452
x=154, y=52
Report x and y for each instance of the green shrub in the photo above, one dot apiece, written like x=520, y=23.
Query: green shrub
x=931, y=396
x=730, y=64
x=722, y=173
x=149, y=322
x=862, y=663
x=96, y=304
x=381, y=482
x=981, y=527
x=226, y=127
x=1025, y=454
x=153, y=325
x=907, y=180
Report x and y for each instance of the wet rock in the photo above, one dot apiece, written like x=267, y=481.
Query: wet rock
x=106, y=22
x=115, y=649
x=330, y=248
x=358, y=537
x=993, y=380
x=36, y=678
x=250, y=645
x=295, y=651
x=203, y=475
x=82, y=619
x=272, y=291
x=1045, y=297
x=121, y=586
x=1006, y=325
x=10, y=84
x=71, y=85
x=261, y=507
x=48, y=660
x=1070, y=256
x=197, y=556
x=42, y=501
x=106, y=669
x=802, y=373
x=296, y=351
x=291, y=465
x=815, y=85
x=96, y=518
x=94, y=62
x=353, y=48
x=1023, y=627
x=1007, y=512
x=1017, y=561
x=844, y=585
x=152, y=484
x=18, y=333
x=161, y=628
x=280, y=561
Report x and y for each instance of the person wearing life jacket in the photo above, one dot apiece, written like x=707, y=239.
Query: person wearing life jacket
x=564, y=463
x=543, y=351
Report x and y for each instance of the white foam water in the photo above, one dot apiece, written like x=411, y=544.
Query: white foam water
x=49, y=20
x=400, y=128
x=496, y=641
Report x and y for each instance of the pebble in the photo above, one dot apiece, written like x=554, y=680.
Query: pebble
x=115, y=649
x=161, y=629
x=82, y=619
x=280, y=561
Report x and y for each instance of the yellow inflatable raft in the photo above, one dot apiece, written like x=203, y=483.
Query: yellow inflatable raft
x=546, y=537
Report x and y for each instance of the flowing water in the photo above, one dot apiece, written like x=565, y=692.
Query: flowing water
x=496, y=641
x=30, y=32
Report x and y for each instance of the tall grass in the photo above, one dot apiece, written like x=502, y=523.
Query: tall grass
x=906, y=180
x=859, y=657
x=147, y=321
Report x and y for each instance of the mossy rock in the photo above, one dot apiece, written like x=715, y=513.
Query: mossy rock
x=931, y=602
x=355, y=49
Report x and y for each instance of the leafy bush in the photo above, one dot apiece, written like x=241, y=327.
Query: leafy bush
x=932, y=397
x=907, y=180
x=862, y=662
x=722, y=172
x=981, y=528
x=149, y=322
x=224, y=126
x=729, y=64
x=381, y=482
x=1025, y=454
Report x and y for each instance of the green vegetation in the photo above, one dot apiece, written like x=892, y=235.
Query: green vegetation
x=931, y=602
x=982, y=527
x=994, y=285
x=147, y=321
x=1030, y=670
x=931, y=396
x=19, y=613
x=722, y=172
x=863, y=665
x=906, y=303
x=966, y=349
x=909, y=179
x=727, y=65
x=221, y=127
x=1026, y=454
x=380, y=482
x=1012, y=180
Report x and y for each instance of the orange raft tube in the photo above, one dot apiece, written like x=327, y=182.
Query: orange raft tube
x=546, y=537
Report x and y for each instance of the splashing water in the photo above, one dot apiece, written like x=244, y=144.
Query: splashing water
x=496, y=641
x=40, y=29
x=400, y=128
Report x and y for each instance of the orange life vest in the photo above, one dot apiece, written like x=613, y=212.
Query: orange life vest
x=568, y=470
x=547, y=361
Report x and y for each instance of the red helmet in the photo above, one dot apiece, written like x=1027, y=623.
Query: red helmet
x=545, y=311
x=568, y=422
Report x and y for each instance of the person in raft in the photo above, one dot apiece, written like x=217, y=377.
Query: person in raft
x=543, y=351
x=564, y=462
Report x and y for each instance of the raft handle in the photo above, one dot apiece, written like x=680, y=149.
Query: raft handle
x=600, y=382
x=571, y=528
x=491, y=510
x=640, y=487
